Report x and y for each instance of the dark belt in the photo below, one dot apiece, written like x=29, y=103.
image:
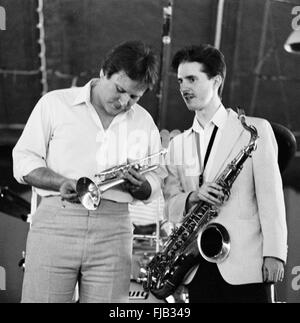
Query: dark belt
x=144, y=229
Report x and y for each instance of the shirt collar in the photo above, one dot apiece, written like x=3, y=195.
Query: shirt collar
x=219, y=119
x=84, y=96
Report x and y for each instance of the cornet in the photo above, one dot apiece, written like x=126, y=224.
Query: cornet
x=89, y=192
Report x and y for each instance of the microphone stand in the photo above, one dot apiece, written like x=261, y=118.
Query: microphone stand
x=165, y=55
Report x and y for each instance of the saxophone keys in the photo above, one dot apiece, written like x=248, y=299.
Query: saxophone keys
x=227, y=193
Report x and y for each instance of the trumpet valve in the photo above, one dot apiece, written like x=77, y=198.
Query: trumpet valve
x=99, y=178
x=137, y=167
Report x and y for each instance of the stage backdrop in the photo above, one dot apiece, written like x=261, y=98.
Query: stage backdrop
x=262, y=78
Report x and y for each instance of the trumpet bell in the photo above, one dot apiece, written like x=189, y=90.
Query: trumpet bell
x=88, y=193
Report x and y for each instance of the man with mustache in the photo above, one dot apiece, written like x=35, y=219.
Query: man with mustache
x=79, y=132
x=254, y=214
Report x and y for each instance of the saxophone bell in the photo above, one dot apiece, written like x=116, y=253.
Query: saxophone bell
x=214, y=243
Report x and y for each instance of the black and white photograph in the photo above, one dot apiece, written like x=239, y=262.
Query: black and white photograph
x=150, y=154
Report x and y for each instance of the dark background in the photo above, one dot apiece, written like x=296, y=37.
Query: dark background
x=262, y=78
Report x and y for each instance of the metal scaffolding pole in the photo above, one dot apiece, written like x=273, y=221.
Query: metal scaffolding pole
x=163, y=83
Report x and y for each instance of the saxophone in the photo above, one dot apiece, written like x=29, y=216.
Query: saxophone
x=196, y=236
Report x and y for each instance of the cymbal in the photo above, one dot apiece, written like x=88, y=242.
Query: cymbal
x=13, y=205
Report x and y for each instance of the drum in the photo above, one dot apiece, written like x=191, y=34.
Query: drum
x=143, y=251
x=139, y=265
x=138, y=295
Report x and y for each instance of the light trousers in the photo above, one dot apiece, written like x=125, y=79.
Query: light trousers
x=69, y=245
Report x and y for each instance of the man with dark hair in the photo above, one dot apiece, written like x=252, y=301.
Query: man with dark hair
x=79, y=132
x=212, y=59
x=254, y=214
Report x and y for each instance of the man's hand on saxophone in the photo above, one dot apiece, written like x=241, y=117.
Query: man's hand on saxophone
x=136, y=184
x=208, y=192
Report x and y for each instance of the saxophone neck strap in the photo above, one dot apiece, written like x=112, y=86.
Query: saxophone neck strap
x=208, y=151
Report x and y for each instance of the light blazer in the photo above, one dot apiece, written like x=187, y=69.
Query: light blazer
x=254, y=215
